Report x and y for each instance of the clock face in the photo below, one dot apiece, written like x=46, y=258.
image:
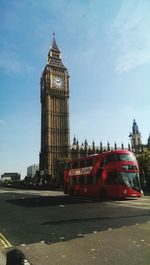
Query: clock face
x=57, y=81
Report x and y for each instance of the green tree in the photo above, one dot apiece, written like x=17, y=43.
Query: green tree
x=144, y=164
x=60, y=165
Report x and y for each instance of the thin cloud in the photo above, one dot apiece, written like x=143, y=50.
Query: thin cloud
x=9, y=64
x=131, y=33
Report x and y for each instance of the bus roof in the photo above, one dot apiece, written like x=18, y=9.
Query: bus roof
x=119, y=151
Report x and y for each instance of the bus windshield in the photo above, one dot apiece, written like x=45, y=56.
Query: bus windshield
x=131, y=179
x=127, y=157
x=120, y=157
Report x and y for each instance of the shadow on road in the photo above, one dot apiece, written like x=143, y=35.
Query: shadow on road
x=86, y=220
x=44, y=201
x=52, y=219
x=41, y=201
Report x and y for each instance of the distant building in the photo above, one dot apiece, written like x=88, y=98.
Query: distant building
x=136, y=139
x=148, y=142
x=9, y=177
x=31, y=171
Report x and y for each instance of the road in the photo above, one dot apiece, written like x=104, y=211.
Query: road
x=51, y=228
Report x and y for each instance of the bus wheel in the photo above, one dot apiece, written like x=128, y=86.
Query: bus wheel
x=103, y=194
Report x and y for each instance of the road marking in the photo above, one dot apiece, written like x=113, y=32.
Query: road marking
x=141, y=204
x=4, y=241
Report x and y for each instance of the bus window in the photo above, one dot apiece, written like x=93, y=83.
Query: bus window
x=111, y=158
x=81, y=180
x=120, y=157
x=89, y=180
x=75, y=164
x=74, y=180
x=99, y=172
x=89, y=162
x=82, y=163
x=126, y=157
x=96, y=179
x=120, y=180
x=68, y=165
x=103, y=163
x=112, y=178
x=130, y=167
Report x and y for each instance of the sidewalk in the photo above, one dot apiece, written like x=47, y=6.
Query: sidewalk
x=113, y=246
x=2, y=251
x=13, y=256
x=2, y=258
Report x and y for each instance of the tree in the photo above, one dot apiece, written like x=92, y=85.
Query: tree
x=60, y=165
x=144, y=164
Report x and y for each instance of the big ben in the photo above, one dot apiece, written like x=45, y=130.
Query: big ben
x=55, y=136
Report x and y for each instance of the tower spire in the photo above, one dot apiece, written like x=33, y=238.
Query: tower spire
x=54, y=55
x=135, y=128
x=135, y=137
x=54, y=44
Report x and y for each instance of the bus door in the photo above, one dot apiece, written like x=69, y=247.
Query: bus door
x=113, y=185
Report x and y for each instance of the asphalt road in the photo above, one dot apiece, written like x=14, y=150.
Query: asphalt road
x=54, y=229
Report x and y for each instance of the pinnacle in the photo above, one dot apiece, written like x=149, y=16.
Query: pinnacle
x=54, y=45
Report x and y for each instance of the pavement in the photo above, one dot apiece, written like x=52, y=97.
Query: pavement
x=124, y=245
x=129, y=245
x=10, y=255
x=2, y=258
x=13, y=256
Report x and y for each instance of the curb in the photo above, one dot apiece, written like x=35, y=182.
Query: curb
x=13, y=256
x=2, y=258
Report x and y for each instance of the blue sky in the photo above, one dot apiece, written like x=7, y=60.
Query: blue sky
x=105, y=45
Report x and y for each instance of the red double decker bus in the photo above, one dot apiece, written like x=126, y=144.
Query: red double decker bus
x=112, y=174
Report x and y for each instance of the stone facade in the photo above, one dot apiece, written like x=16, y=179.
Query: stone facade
x=136, y=139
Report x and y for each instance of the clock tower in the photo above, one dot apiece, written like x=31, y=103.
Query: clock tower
x=55, y=138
